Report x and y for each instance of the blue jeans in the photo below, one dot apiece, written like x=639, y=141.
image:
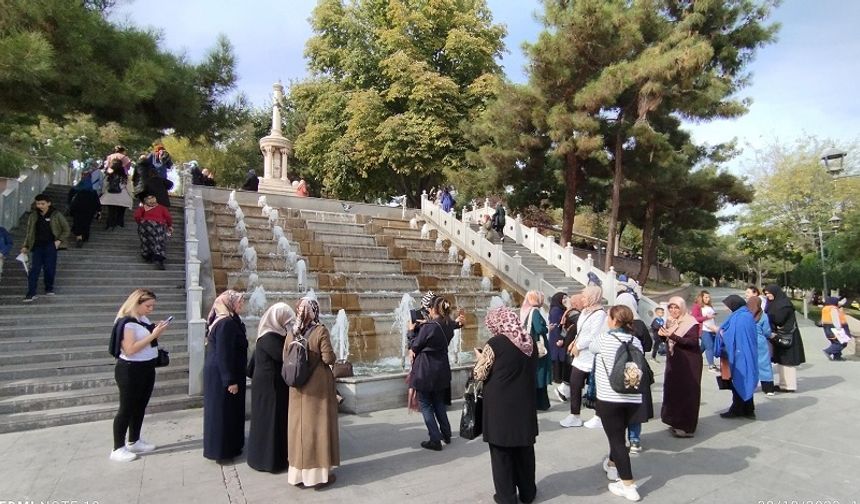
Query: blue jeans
x=835, y=348
x=44, y=257
x=634, y=432
x=433, y=408
x=708, y=339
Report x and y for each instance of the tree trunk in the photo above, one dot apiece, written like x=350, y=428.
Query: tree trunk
x=571, y=177
x=616, y=202
x=649, y=242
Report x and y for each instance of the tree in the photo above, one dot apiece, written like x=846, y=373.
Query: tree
x=392, y=83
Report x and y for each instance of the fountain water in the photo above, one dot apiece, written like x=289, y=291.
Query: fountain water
x=240, y=215
x=506, y=297
x=273, y=216
x=249, y=259
x=455, y=347
x=402, y=319
x=496, y=302
x=253, y=280
x=277, y=232
x=292, y=257
x=453, y=253
x=425, y=231
x=257, y=303
x=466, y=270
x=284, y=245
x=266, y=211
x=261, y=201
x=413, y=223
x=232, y=204
x=243, y=245
x=241, y=229
x=340, y=335
x=311, y=294
x=301, y=274
x=486, y=284
x=439, y=245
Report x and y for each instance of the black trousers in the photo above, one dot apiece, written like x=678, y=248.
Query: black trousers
x=513, y=471
x=578, y=378
x=115, y=216
x=615, y=418
x=135, y=381
x=560, y=372
x=741, y=407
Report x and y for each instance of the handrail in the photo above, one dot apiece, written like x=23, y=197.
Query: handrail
x=563, y=258
x=193, y=289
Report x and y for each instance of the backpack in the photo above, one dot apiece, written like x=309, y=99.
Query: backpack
x=114, y=184
x=628, y=374
x=296, y=369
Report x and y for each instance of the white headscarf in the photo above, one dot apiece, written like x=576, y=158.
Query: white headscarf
x=627, y=299
x=276, y=319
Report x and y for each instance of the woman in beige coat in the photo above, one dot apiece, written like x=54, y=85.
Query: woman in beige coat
x=312, y=432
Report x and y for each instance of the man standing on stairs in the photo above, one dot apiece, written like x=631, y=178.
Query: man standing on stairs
x=47, y=230
x=499, y=221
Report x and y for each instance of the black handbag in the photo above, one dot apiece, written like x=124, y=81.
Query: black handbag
x=784, y=336
x=163, y=358
x=470, y=421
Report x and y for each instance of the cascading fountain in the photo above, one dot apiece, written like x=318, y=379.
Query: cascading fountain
x=274, y=215
x=261, y=201
x=506, y=297
x=253, y=281
x=257, y=303
x=466, y=270
x=241, y=229
x=311, y=294
x=425, y=231
x=284, y=246
x=277, y=233
x=292, y=259
x=413, y=223
x=439, y=245
x=453, y=253
x=301, y=274
x=486, y=284
x=249, y=259
x=455, y=347
x=240, y=215
x=402, y=319
x=232, y=204
x=496, y=302
x=266, y=211
x=243, y=245
x=340, y=335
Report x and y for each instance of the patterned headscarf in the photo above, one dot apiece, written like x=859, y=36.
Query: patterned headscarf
x=503, y=320
x=427, y=300
x=276, y=319
x=225, y=306
x=307, y=315
x=592, y=298
x=533, y=299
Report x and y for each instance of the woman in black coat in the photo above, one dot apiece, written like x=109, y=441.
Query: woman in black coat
x=508, y=367
x=224, y=379
x=252, y=182
x=781, y=314
x=270, y=396
x=155, y=185
x=431, y=372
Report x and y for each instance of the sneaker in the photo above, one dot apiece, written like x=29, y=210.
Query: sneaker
x=446, y=439
x=635, y=447
x=629, y=492
x=611, y=470
x=50, y=293
x=593, y=423
x=432, y=445
x=29, y=299
x=122, y=455
x=769, y=394
x=713, y=369
x=571, y=421
x=561, y=395
x=140, y=446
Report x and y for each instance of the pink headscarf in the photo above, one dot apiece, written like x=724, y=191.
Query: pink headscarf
x=533, y=299
x=592, y=297
x=681, y=325
x=504, y=321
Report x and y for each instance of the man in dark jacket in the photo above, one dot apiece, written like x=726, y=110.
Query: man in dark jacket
x=47, y=231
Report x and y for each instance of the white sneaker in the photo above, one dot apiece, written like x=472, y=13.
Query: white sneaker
x=629, y=492
x=140, y=446
x=593, y=423
x=571, y=421
x=122, y=455
x=611, y=471
x=559, y=392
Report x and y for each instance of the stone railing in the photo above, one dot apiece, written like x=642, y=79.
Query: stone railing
x=563, y=258
x=16, y=194
x=196, y=240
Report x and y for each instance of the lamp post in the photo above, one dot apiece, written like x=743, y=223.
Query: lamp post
x=835, y=222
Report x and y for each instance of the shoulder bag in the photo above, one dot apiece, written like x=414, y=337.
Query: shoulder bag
x=784, y=335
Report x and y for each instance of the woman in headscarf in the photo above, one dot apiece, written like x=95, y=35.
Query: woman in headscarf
x=833, y=319
x=568, y=328
x=312, y=433
x=224, y=379
x=645, y=411
x=590, y=325
x=252, y=181
x=267, y=439
x=535, y=326
x=762, y=331
x=737, y=343
x=682, y=382
x=116, y=197
x=781, y=315
x=154, y=225
x=557, y=355
x=507, y=366
x=83, y=207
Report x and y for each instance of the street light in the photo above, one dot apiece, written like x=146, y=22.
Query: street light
x=835, y=222
x=834, y=160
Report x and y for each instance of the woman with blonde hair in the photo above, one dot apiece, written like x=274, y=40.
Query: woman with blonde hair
x=270, y=396
x=682, y=383
x=312, y=432
x=135, y=347
x=224, y=379
x=535, y=326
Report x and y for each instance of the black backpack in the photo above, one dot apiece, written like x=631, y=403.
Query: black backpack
x=629, y=371
x=296, y=369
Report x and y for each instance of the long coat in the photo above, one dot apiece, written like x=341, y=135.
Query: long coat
x=682, y=383
x=538, y=331
x=312, y=432
x=431, y=370
x=510, y=405
x=646, y=409
x=267, y=439
x=780, y=312
x=223, y=412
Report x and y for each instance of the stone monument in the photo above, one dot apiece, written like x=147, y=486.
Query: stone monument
x=276, y=150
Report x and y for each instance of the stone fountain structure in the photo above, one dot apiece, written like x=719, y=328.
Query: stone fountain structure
x=276, y=150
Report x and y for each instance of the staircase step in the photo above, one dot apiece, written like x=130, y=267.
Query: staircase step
x=176, y=334
x=64, y=356
x=49, y=384
x=35, y=311
x=76, y=327
x=87, y=366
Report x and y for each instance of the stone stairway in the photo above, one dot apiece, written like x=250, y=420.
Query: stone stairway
x=359, y=263
x=54, y=365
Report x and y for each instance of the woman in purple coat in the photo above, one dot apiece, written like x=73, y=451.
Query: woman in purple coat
x=557, y=354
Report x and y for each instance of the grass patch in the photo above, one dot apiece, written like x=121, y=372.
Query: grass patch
x=815, y=311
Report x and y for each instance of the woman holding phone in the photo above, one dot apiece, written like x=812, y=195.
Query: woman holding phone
x=135, y=371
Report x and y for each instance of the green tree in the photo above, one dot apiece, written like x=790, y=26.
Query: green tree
x=392, y=83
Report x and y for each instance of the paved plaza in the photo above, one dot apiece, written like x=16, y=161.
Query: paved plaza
x=801, y=448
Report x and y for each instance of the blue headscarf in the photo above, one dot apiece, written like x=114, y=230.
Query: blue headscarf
x=86, y=184
x=737, y=342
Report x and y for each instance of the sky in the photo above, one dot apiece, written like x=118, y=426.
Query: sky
x=801, y=85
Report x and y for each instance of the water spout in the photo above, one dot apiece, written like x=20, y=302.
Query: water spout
x=253, y=281
x=453, y=253
x=340, y=335
x=486, y=284
x=466, y=270
x=232, y=204
x=402, y=319
x=455, y=347
x=277, y=233
x=311, y=294
x=273, y=216
x=284, y=245
x=292, y=257
x=243, y=245
x=266, y=211
x=301, y=274
x=261, y=201
x=496, y=302
x=506, y=297
x=439, y=245
x=413, y=223
x=241, y=229
x=249, y=259
x=257, y=303
x=240, y=215
x=425, y=231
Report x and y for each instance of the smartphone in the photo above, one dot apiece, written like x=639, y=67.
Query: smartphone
x=168, y=320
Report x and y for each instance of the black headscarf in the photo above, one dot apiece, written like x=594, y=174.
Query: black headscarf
x=734, y=302
x=557, y=301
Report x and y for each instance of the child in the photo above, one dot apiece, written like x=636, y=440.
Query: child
x=659, y=341
x=154, y=226
x=47, y=230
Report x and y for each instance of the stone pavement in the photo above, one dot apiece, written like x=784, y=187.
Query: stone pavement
x=801, y=448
